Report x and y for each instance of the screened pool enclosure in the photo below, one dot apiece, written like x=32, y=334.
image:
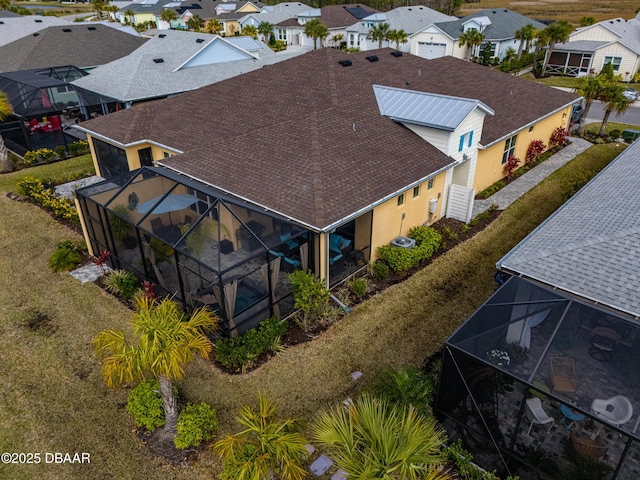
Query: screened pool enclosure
x=542, y=385
x=200, y=246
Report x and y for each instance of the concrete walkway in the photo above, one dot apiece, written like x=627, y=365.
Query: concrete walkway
x=509, y=194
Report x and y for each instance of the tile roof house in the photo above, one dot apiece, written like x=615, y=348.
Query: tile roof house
x=571, y=308
x=189, y=60
x=588, y=49
x=353, y=149
x=498, y=25
x=82, y=45
x=410, y=19
x=337, y=18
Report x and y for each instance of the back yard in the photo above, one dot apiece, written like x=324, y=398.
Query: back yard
x=54, y=396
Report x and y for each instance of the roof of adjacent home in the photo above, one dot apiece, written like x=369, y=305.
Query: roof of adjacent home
x=82, y=45
x=589, y=247
x=409, y=19
x=627, y=31
x=337, y=16
x=138, y=76
x=14, y=28
x=207, y=8
x=503, y=26
x=305, y=138
x=275, y=14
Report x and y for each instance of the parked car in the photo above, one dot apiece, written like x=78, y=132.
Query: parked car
x=576, y=113
x=631, y=94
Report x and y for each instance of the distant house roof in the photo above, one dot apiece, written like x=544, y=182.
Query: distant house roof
x=580, y=46
x=275, y=14
x=149, y=6
x=442, y=112
x=82, y=45
x=14, y=28
x=8, y=14
x=590, y=246
x=500, y=24
x=337, y=16
x=627, y=31
x=305, y=138
x=189, y=61
x=220, y=9
x=410, y=19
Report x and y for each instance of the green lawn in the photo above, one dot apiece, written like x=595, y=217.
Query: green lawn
x=55, y=399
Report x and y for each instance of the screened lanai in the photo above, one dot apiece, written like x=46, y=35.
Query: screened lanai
x=205, y=248
x=539, y=383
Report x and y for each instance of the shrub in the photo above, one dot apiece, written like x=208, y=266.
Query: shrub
x=61, y=152
x=60, y=207
x=67, y=255
x=407, y=386
x=466, y=469
x=196, y=423
x=449, y=233
x=145, y=404
x=122, y=282
x=510, y=167
x=379, y=270
x=558, y=137
x=401, y=260
x=42, y=155
x=487, y=192
x=534, y=150
x=79, y=147
x=239, y=353
x=310, y=296
x=358, y=286
x=231, y=470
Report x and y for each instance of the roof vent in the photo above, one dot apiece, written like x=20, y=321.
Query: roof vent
x=199, y=40
x=1, y=23
x=38, y=21
x=158, y=60
x=66, y=30
x=345, y=63
x=396, y=54
x=162, y=35
x=91, y=28
x=36, y=34
x=372, y=58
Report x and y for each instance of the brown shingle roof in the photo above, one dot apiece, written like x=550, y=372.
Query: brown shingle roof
x=305, y=137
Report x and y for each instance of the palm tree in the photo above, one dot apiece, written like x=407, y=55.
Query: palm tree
x=266, y=30
x=379, y=32
x=589, y=88
x=98, y=6
x=557, y=32
x=471, y=38
x=168, y=16
x=525, y=35
x=373, y=438
x=128, y=15
x=542, y=40
x=336, y=40
x=249, y=31
x=195, y=23
x=266, y=447
x=214, y=26
x=5, y=111
x=611, y=96
x=398, y=36
x=315, y=29
x=166, y=342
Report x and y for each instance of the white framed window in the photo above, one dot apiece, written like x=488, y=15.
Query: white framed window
x=466, y=140
x=615, y=61
x=282, y=34
x=430, y=184
x=509, y=148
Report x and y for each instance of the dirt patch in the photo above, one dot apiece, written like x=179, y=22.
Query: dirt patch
x=160, y=443
x=39, y=322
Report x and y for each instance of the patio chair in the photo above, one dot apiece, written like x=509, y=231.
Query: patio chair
x=617, y=410
x=563, y=375
x=536, y=414
x=587, y=448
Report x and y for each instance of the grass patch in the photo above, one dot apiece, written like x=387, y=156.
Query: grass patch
x=57, y=400
x=58, y=172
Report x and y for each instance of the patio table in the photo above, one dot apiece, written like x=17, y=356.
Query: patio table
x=570, y=414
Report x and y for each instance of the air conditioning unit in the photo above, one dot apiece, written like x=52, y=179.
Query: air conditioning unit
x=404, y=242
x=433, y=205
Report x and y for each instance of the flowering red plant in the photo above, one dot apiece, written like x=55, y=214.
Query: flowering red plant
x=147, y=290
x=101, y=260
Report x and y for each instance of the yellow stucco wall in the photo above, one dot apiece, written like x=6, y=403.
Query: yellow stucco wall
x=489, y=168
x=387, y=217
x=139, y=18
x=133, y=159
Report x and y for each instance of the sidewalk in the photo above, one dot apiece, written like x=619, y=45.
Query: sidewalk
x=509, y=194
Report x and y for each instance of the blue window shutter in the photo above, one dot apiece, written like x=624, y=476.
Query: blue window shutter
x=470, y=137
x=461, y=146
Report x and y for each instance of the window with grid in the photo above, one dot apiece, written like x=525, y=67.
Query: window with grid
x=615, y=61
x=509, y=148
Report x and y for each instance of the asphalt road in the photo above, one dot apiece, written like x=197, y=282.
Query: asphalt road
x=631, y=116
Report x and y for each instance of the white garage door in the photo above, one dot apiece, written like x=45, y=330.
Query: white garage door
x=431, y=50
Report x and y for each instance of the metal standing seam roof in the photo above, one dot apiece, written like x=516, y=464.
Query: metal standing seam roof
x=591, y=246
x=436, y=111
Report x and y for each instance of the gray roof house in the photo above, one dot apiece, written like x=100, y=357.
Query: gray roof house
x=14, y=28
x=274, y=14
x=615, y=41
x=498, y=26
x=410, y=19
x=82, y=45
x=173, y=62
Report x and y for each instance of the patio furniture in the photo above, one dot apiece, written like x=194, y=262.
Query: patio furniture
x=617, y=410
x=536, y=414
x=587, y=448
x=571, y=415
x=563, y=375
x=603, y=343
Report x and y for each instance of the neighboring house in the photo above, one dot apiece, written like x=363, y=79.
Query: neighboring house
x=313, y=162
x=228, y=13
x=337, y=18
x=15, y=28
x=147, y=11
x=173, y=62
x=572, y=304
x=82, y=45
x=274, y=14
x=498, y=25
x=410, y=19
x=588, y=49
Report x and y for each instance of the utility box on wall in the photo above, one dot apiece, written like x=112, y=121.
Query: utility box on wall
x=433, y=205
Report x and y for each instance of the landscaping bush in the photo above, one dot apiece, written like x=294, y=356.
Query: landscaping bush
x=239, y=353
x=379, y=270
x=79, y=147
x=310, y=296
x=231, y=470
x=145, y=404
x=407, y=386
x=67, y=255
x=487, y=192
x=401, y=260
x=35, y=157
x=61, y=152
x=60, y=207
x=534, y=150
x=465, y=468
x=358, y=286
x=122, y=282
x=196, y=423
x=510, y=167
x=558, y=138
